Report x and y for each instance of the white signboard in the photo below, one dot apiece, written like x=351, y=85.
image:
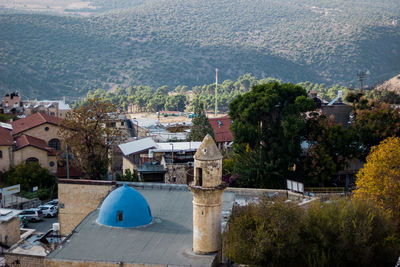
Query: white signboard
x=11, y=190
x=35, y=189
x=295, y=186
x=289, y=184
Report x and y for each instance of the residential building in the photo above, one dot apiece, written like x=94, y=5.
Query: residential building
x=159, y=162
x=32, y=139
x=11, y=103
x=222, y=133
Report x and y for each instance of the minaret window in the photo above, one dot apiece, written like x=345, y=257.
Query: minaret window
x=199, y=176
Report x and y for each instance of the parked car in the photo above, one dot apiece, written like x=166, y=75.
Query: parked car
x=33, y=214
x=52, y=202
x=48, y=210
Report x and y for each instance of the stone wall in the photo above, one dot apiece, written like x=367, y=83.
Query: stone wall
x=24, y=260
x=5, y=161
x=179, y=171
x=10, y=231
x=77, y=198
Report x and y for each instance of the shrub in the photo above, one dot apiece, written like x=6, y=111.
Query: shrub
x=338, y=233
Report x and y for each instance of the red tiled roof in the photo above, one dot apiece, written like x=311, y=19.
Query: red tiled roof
x=221, y=126
x=26, y=140
x=74, y=171
x=32, y=121
x=5, y=137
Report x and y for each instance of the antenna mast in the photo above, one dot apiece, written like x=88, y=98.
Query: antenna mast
x=216, y=92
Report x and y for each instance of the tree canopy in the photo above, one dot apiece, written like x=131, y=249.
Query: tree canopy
x=268, y=127
x=90, y=134
x=379, y=180
x=200, y=125
x=338, y=233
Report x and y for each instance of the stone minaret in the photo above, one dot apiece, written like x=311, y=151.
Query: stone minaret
x=207, y=189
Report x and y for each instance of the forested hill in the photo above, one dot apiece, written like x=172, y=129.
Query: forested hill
x=174, y=42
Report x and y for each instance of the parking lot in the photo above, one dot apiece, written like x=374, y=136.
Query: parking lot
x=44, y=225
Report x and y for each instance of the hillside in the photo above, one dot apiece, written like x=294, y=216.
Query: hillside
x=177, y=42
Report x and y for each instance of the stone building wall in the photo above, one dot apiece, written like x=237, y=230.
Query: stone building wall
x=24, y=260
x=21, y=155
x=176, y=170
x=5, y=161
x=77, y=198
x=10, y=231
x=46, y=135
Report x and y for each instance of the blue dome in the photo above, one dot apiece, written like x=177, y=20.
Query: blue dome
x=125, y=207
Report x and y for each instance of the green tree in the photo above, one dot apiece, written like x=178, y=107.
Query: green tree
x=270, y=119
x=89, y=133
x=200, y=125
x=176, y=103
x=374, y=123
x=29, y=175
x=330, y=148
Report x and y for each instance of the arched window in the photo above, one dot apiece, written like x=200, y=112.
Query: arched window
x=1, y=154
x=55, y=143
x=31, y=160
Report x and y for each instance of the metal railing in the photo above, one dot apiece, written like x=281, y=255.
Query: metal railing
x=325, y=190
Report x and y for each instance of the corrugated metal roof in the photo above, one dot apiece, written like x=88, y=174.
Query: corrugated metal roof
x=137, y=146
x=177, y=146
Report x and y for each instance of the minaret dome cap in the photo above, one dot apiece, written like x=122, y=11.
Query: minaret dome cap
x=208, y=150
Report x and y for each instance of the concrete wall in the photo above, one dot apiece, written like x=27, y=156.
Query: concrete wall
x=77, y=198
x=24, y=260
x=21, y=155
x=72, y=263
x=10, y=232
x=5, y=160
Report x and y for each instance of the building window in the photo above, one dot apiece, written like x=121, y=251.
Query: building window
x=31, y=160
x=122, y=123
x=120, y=216
x=1, y=154
x=52, y=114
x=55, y=143
x=46, y=128
x=52, y=163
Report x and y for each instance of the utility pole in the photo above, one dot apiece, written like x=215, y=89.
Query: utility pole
x=361, y=76
x=216, y=92
x=67, y=160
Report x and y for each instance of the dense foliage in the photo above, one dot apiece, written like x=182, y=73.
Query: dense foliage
x=90, y=135
x=378, y=181
x=28, y=176
x=268, y=127
x=181, y=42
x=200, y=125
x=339, y=233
